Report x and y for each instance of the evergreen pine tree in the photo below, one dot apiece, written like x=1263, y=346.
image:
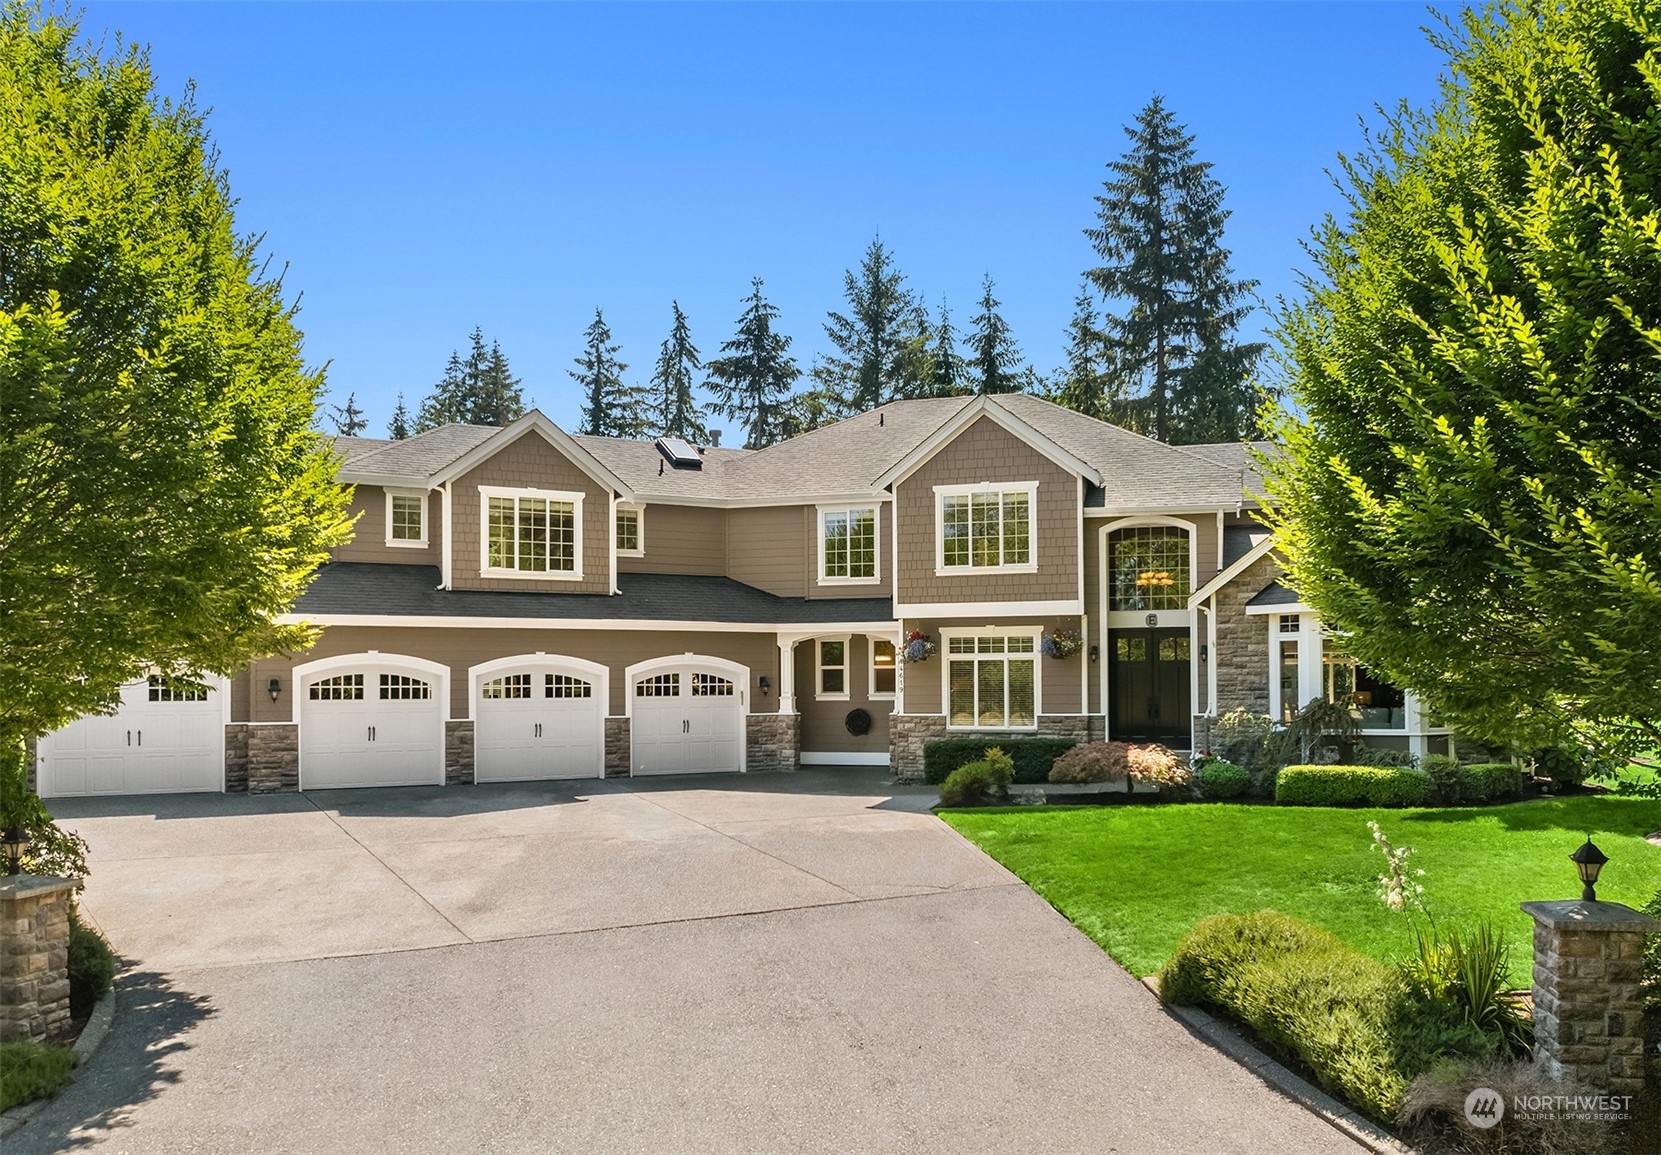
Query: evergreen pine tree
x=752, y=383
x=348, y=418
x=447, y=401
x=994, y=361
x=479, y=389
x=946, y=367
x=881, y=342
x=398, y=429
x=1160, y=239
x=497, y=398
x=610, y=407
x=673, y=410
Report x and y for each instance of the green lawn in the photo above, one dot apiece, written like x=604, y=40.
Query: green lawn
x=1136, y=878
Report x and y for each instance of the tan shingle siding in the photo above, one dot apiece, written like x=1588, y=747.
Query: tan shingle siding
x=767, y=548
x=369, y=532
x=681, y=539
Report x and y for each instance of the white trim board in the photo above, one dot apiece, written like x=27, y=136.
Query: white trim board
x=996, y=611
x=833, y=758
x=984, y=406
x=435, y=622
x=1239, y=567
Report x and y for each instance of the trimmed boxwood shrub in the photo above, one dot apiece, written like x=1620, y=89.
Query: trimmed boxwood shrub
x=1350, y=1018
x=976, y=784
x=1473, y=783
x=1220, y=780
x=91, y=967
x=1033, y=757
x=1352, y=786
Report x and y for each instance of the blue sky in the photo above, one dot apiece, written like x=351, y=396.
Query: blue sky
x=425, y=168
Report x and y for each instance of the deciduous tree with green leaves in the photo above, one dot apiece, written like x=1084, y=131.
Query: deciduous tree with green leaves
x=752, y=382
x=674, y=409
x=164, y=494
x=1173, y=304
x=1473, y=490
x=610, y=407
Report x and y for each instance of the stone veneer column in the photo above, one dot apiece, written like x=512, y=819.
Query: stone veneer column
x=1587, y=1011
x=906, y=735
x=34, y=957
x=273, y=757
x=458, y=752
x=236, y=758
x=617, y=747
x=773, y=742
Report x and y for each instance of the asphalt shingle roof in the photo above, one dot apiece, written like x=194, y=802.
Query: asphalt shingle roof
x=1275, y=594
x=345, y=587
x=420, y=456
x=1239, y=540
x=647, y=472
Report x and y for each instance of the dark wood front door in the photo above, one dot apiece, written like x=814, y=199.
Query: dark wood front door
x=1148, y=685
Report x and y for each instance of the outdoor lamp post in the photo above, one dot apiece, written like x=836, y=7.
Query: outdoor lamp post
x=14, y=840
x=1588, y=861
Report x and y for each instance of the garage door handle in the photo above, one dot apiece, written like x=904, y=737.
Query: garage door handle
x=141, y=737
x=129, y=737
x=371, y=733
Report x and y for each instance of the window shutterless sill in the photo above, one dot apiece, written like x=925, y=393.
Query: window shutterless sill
x=863, y=581
x=972, y=570
x=531, y=575
x=406, y=544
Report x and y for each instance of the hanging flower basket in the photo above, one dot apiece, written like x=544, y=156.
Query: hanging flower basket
x=919, y=647
x=1062, y=643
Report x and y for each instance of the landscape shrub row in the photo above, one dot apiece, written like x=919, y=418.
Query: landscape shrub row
x=1352, y=1020
x=1472, y=783
x=1031, y=757
x=1352, y=786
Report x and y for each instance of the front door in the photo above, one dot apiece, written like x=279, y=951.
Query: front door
x=1148, y=685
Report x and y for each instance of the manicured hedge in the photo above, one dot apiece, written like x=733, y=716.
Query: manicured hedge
x=1351, y=1019
x=1220, y=780
x=1033, y=757
x=1475, y=783
x=1352, y=786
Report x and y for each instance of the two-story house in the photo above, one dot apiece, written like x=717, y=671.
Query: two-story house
x=524, y=604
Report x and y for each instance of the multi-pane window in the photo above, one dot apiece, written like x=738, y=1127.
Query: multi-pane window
x=883, y=668
x=986, y=529
x=1149, y=567
x=1345, y=682
x=565, y=686
x=833, y=668
x=165, y=689
x=531, y=534
x=340, y=688
x=991, y=681
x=850, y=544
x=405, y=520
x=1289, y=623
x=398, y=687
x=658, y=686
x=628, y=530
x=506, y=687
x=711, y=686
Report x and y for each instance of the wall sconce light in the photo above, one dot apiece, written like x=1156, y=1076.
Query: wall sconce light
x=275, y=689
x=1205, y=652
x=1095, y=654
x=766, y=684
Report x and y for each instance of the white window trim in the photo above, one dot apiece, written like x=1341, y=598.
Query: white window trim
x=819, y=668
x=639, y=512
x=419, y=495
x=486, y=492
x=871, y=690
x=941, y=492
x=1036, y=633
x=876, y=546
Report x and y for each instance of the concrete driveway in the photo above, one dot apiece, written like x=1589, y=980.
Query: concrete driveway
x=806, y=962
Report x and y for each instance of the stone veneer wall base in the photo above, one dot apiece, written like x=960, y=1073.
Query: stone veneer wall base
x=458, y=752
x=617, y=747
x=34, y=957
x=773, y=742
x=273, y=758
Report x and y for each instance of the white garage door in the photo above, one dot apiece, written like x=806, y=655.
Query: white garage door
x=686, y=720
x=371, y=725
x=167, y=737
x=542, y=719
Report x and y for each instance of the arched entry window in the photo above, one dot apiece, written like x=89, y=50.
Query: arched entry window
x=1148, y=568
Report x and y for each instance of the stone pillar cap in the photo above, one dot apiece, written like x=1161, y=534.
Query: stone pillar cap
x=16, y=886
x=1579, y=915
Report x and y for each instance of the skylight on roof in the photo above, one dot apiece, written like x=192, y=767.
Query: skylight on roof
x=680, y=453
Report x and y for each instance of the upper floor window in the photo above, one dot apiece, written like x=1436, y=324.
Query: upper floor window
x=985, y=527
x=406, y=519
x=532, y=532
x=1149, y=568
x=848, y=544
x=630, y=539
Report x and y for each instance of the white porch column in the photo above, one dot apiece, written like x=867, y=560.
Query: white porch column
x=787, y=675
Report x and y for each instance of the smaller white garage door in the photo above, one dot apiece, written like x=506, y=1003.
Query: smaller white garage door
x=686, y=719
x=371, y=724
x=167, y=737
x=539, y=719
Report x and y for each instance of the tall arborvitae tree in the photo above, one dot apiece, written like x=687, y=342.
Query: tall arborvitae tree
x=671, y=406
x=994, y=359
x=881, y=342
x=498, y=400
x=752, y=382
x=348, y=418
x=1166, y=271
x=610, y=407
x=399, y=427
x=947, y=375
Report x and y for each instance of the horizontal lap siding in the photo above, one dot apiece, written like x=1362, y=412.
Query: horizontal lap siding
x=530, y=463
x=461, y=649
x=369, y=532
x=768, y=548
x=1058, y=678
x=680, y=539
x=986, y=452
x=824, y=721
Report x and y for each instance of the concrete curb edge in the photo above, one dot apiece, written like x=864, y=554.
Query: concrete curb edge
x=1311, y=1098
x=91, y=1038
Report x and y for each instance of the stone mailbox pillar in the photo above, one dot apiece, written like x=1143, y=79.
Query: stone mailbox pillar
x=1588, y=958
x=34, y=957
